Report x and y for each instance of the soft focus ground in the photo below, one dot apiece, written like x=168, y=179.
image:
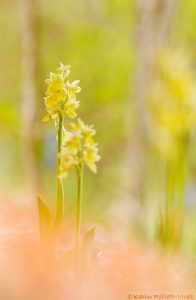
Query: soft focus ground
x=120, y=269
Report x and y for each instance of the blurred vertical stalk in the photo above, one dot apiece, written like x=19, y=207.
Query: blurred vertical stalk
x=29, y=107
x=137, y=143
x=173, y=215
x=153, y=30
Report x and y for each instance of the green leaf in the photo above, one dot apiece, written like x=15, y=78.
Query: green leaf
x=88, y=240
x=59, y=206
x=86, y=252
x=44, y=220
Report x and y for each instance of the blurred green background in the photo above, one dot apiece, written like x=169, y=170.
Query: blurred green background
x=110, y=45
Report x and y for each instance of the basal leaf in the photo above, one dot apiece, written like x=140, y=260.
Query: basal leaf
x=44, y=220
x=85, y=253
x=87, y=240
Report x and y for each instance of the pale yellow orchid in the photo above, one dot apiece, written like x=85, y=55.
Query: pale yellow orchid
x=172, y=100
x=61, y=94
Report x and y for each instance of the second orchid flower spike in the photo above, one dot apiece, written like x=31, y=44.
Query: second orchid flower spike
x=79, y=148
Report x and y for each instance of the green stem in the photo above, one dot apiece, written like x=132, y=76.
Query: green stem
x=60, y=192
x=176, y=181
x=60, y=137
x=171, y=178
x=79, y=204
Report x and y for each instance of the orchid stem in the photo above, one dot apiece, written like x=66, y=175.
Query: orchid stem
x=79, y=204
x=60, y=192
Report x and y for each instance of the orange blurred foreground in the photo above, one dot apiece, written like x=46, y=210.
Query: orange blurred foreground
x=119, y=272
